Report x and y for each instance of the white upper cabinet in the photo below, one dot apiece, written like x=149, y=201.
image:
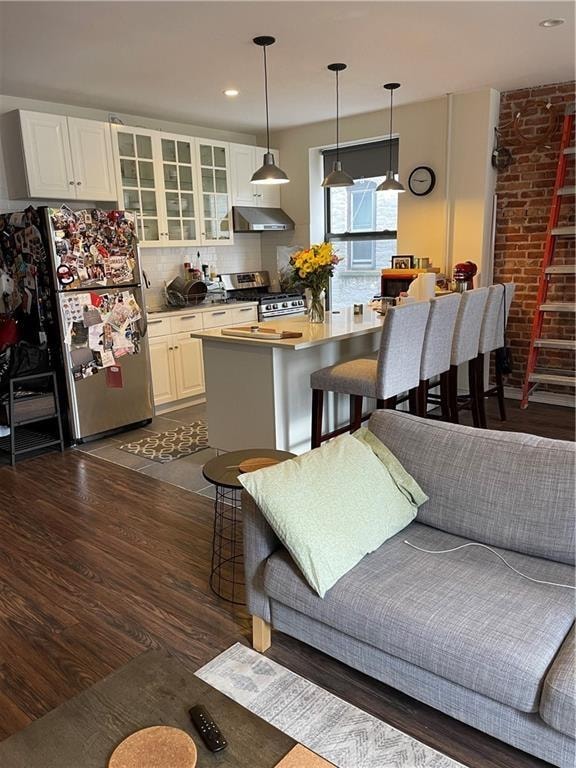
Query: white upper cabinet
x=244, y=160
x=91, y=147
x=214, y=185
x=47, y=155
x=138, y=174
x=178, y=161
x=241, y=170
x=177, y=187
x=67, y=158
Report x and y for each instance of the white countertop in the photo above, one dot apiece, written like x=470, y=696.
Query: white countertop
x=204, y=307
x=338, y=326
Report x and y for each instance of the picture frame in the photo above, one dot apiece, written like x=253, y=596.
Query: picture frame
x=402, y=262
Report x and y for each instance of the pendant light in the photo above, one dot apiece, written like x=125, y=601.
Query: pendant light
x=337, y=177
x=269, y=173
x=390, y=184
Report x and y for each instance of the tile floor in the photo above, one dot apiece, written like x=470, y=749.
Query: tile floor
x=185, y=473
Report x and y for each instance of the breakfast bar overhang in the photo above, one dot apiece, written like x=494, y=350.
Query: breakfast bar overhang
x=260, y=394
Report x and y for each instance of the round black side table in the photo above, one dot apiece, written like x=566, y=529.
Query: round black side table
x=227, y=571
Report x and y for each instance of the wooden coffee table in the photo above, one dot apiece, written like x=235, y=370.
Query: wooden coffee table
x=152, y=689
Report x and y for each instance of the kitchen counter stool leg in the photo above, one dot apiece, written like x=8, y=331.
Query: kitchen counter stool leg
x=480, y=392
x=474, y=393
x=453, y=393
x=422, y=399
x=445, y=395
x=355, y=412
x=317, y=413
x=500, y=394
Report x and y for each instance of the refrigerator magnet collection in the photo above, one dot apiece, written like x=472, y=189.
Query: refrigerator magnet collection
x=96, y=275
x=96, y=250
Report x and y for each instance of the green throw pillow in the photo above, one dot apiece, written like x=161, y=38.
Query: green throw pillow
x=403, y=480
x=330, y=507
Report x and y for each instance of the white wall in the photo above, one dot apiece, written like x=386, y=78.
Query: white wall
x=472, y=180
x=161, y=264
x=453, y=135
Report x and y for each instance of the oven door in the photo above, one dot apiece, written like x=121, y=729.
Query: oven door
x=271, y=314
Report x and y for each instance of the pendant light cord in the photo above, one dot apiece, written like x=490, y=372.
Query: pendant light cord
x=337, y=118
x=390, y=132
x=266, y=99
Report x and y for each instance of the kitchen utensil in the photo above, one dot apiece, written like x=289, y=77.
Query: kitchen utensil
x=195, y=292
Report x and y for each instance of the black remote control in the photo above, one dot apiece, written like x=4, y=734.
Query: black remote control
x=207, y=728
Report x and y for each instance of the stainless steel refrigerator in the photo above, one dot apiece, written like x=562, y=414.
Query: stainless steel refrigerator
x=102, y=318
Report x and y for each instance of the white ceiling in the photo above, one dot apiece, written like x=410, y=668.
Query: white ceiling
x=173, y=59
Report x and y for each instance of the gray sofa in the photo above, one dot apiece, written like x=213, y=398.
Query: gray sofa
x=459, y=631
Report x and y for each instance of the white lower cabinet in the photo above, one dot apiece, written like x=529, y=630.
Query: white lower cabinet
x=176, y=358
x=177, y=368
x=245, y=315
x=162, y=366
x=189, y=366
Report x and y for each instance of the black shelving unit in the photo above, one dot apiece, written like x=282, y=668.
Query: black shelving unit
x=34, y=418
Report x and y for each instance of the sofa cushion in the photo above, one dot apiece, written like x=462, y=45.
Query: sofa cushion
x=331, y=506
x=463, y=615
x=558, y=704
x=511, y=490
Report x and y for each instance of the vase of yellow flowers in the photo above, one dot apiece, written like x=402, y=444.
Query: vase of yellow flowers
x=312, y=269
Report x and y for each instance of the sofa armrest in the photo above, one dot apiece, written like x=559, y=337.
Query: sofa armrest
x=558, y=701
x=260, y=542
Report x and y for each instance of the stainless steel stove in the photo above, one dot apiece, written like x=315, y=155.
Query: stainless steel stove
x=255, y=286
x=279, y=304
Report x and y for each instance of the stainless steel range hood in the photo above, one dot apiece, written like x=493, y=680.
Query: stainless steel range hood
x=247, y=219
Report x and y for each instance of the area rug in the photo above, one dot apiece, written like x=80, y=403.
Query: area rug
x=326, y=724
x=174, y=444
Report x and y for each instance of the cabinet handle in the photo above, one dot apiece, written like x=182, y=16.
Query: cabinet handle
x=246, y=309
x=71, y=183
x=175, y=347
x=219, y=313
x=188, y=317
x=170, y=349
x=78, y=183
x=154, y=322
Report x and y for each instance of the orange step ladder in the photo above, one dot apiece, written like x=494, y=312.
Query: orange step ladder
x=535, y=376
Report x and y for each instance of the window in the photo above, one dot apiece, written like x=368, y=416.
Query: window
x=361, y=223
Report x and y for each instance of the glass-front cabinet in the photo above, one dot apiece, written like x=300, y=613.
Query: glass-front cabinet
x=178, y=160
x=138, y=182
x=178, y=187
x=215, y=188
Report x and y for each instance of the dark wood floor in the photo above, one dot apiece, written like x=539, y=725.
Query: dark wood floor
x=98, y=563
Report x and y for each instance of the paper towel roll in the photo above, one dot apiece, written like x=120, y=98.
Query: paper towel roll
x=427, y=285
x=422, y=287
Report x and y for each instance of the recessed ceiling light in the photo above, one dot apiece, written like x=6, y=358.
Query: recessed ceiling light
x=552, y=23
x=231, y=92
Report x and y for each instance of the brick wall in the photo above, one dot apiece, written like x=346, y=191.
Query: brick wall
x=524, y=197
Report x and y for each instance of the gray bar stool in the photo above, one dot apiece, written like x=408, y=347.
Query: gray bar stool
x=492, y=335
x=436, y=353
x=396, y=369
x=465, y=350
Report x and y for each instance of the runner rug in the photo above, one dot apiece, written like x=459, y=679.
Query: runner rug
x=326, y=724
x=174, y=444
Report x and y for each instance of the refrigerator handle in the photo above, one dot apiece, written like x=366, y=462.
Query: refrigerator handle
x=146, y=281
x=143, y=325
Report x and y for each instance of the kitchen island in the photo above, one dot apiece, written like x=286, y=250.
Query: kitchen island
x=258, y=390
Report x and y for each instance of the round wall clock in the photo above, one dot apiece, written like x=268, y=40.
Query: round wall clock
x=422, y=180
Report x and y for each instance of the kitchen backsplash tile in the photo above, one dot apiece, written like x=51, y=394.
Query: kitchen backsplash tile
x=164, y=264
